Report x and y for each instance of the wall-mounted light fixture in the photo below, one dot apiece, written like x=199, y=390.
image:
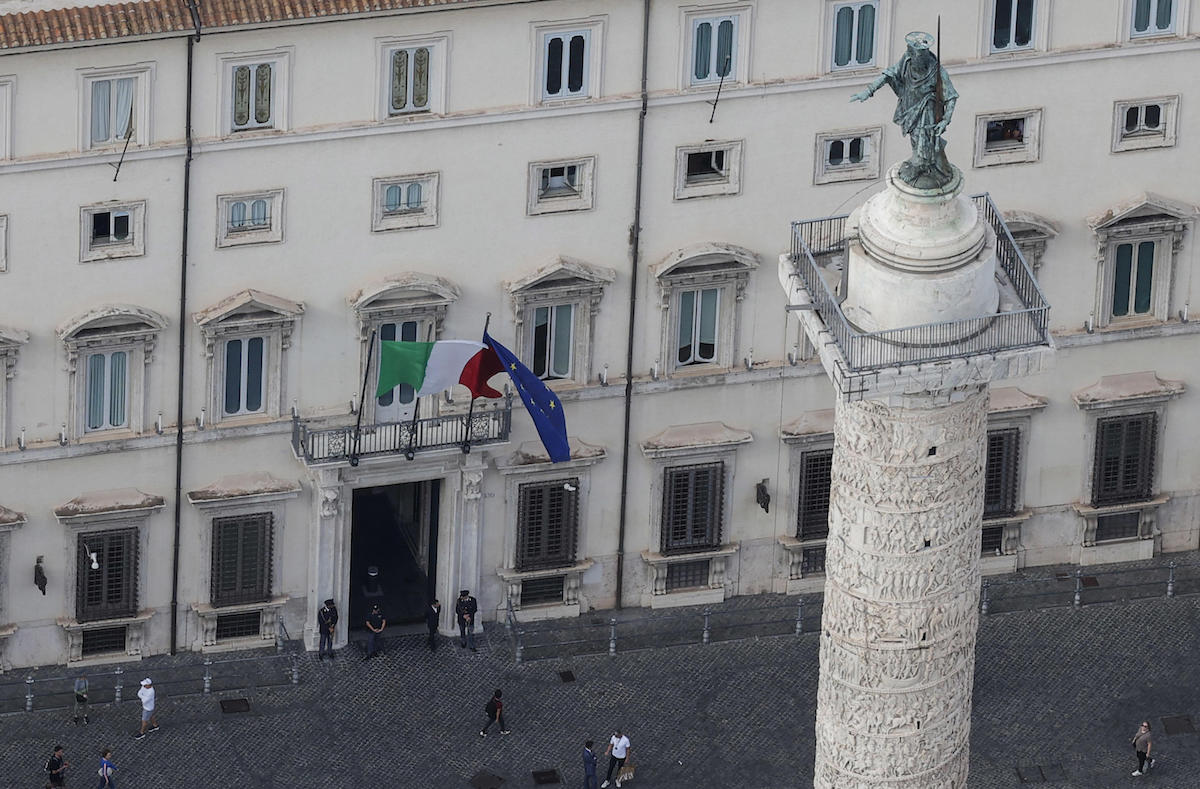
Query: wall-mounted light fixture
x=158, y=424
x=604, y=375
x=21, y=440
x=749, y=360
x=200, y=419
x=654, y=370
x=62, y=435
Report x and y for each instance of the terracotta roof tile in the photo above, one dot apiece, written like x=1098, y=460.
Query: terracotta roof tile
x=154, y=17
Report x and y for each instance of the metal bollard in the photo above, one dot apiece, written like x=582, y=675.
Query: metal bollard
x=520, y=654
x=1078, y=588
x=1171, y=581
x=707, y=615
x=983, y=600
x=295, y=670
x=208, y=675
x=29, y=693
x=612, y=636
x=117, y=689
x=799, y=616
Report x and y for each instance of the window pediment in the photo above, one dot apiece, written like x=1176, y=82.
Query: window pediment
x=11, y=341
x=1146, y=211
x=249, y=309
x=410, y=294
x=563, y=273
x=10, y=519
x=111, y=321
x=706, y=258
x=1129, y=389
x=682, y=440
x=109, y=504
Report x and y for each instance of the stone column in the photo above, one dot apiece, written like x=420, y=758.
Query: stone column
x=329, y=555
x=902, y=592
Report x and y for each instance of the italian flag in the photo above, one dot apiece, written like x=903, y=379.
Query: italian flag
x=431, y=367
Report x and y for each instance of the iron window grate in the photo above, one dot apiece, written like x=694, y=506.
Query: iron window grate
x=1117, y=527
x=992, y=543
x=547, y=522
x=241, y=559
x=1000, y=472
x=540, y=591
x=1124, y=467
x=693, y=498
x=812, y=560
x=239, y=625
x=104, y=640
x=687, y=575
x=812, y=513
x=109, y=589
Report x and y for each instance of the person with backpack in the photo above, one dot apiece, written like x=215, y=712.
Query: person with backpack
x=56, y=765
x=494, y=710
x=106, y=770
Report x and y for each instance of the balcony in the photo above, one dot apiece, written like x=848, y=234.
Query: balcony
x=489, y=424
x=818, y=259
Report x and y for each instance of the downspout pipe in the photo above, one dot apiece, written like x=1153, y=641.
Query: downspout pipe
x=183, y=271
x=635, y=236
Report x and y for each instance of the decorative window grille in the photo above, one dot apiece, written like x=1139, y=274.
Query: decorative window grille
x=252, y=96
x=714, y=49
x=1124, y=467
x=1012, y=25
x=107, y=384
x=552, y=340
x=693, y=498
x=565, y=59
x=854, y=35
x=1133, y=279
x=687, y=575
x=1000, y=472
x=241, y=625
x=112, y=109
x=1153, y=17
x=107, y=590
x=812, y=560
x=547, y=521
x=1123, y=526
x=697, y=338
x=542, y=591
x=409, y=75
x=992, y=543
x=812, y=512
x=245, y=375
x=104, y=641
x=241, y=560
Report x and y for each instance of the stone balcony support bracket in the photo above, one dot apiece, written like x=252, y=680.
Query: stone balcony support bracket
x=268, y=627
x=713, y=592
x=134, y=638
x=571, y=600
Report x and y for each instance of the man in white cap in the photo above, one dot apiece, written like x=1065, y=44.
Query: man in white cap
x=146, y=694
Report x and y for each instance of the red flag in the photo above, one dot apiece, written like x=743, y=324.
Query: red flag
x=478, y=370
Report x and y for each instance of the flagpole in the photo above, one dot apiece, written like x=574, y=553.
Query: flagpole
x=466, y=445
x=362, y=400
x=410, y=453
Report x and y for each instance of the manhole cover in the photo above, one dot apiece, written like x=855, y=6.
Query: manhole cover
x=486, y=780
x=235, y=705
x=1178, y=724
x=1030, y=774
x=1054, y=773
x=543, y=777
x=1090, y=581
x=566, y=676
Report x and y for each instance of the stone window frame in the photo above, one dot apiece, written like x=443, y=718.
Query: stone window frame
x=8, y=87
x=143, y=74
x=1139, y=141
x=10, y=521
x=135, y=246
x=250, y=313
x=584, y=191
x=593, y=29
x=113, y=327
x=281, y=78
x=438, y=45
x=409, y=296
x=882, y=44
x=1178, y=28
x=426, y=216
x=1030, y=149
x=730, y=183
x=271, y=234
x=866, y=170
x=3, y=242
x=811, y=433
x=1031, y=232
x=689, y=17
x=565, y=280
x=1011, y=408
x=698, y=267
x=1146, y=217
x=1036, y=45
x=11, y=341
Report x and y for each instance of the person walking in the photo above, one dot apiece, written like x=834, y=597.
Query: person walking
x=465, y=609
x=617, y=752
x=433, y=616
x=80, y=707
x=375, y=625
x=494, y=710
x=106, y=770
x=589, y=766
x=147, y=695
x=1142, y=743
x=327, y=619
x=56, y=765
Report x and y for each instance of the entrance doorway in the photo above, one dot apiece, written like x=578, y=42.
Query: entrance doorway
x=393, y=551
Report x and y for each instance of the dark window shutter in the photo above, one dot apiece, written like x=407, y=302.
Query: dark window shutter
x=692, y=507
x=1124, y=467
x=812, y=514
x=1000, y=472
x=110, y=591
x=241, y=559
x=547, y=522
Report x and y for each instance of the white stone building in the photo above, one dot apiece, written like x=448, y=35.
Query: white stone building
x=407, y=167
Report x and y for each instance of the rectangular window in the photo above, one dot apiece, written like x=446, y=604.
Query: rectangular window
x=107, y=381
x=106, y=575
x=253, y=96
x=812, y=560
x=559, y=181
x=249, y=215
x=1005, y=134
x=409, y=80
x=396, y=404
x=992, y=541
x=542, y=591
x=1143, y=119
x=552, y=341
x=112, y=104
x=104, y=641
x=241, y=559
x=1124, y=466
x=1000, y=472
x=565, y=64
x=1012, y=25
x=560, y=186
x=110, y=227
x=697, y=335
x=404, y=201
x=1133, y=279
x=693, y=499
x=812, y=512
x=547, y=520
x=714, y=49
x=250, y=218
x=1144, y=123
x=706, y=167
x=688, y=575
x=849, y=152
x=854, y=35
x=246, y=625
x=245, y=375
x=1153, y=17
x=405, y=197
x=1123, y=526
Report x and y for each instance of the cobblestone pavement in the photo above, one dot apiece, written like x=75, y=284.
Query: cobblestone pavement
x=1058, y=688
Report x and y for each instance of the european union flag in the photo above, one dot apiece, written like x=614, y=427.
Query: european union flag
x=543, y=405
